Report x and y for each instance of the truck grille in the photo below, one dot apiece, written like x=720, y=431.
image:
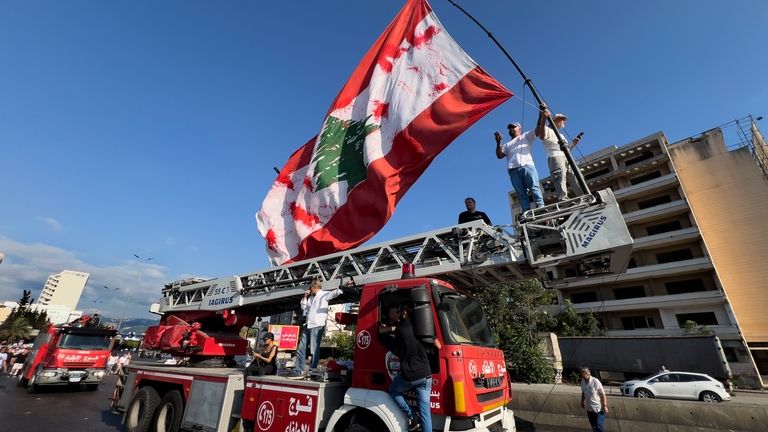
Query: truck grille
x=485, y=397
x=78, y=365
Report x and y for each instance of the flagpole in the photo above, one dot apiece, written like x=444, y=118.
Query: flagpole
x=529, y=83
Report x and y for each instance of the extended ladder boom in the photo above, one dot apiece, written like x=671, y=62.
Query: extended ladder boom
x=582, y=237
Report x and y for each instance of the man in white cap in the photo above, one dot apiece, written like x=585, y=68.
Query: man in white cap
x=558, y=164
x=522, y=171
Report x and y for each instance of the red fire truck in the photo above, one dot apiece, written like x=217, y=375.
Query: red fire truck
x=201, y=320
x=71, y=354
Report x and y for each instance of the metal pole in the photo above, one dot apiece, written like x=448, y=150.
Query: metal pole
x=529, y=83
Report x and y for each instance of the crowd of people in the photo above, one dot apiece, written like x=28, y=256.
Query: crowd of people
x=12, y=357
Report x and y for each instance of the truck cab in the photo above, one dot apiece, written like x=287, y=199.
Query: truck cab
x=67, y=355
x=470, y=386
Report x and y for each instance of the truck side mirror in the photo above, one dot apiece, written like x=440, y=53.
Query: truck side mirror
x=421, y=316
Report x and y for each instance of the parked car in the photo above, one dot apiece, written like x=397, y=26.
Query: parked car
x=677, y=385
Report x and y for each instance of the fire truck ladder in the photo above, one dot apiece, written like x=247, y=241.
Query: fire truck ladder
x=581, y=238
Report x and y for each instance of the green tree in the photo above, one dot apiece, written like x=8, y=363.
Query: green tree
x=570, y=323
x=516, y=312
x=18, y=328
x=36, y=320
x=344, y=341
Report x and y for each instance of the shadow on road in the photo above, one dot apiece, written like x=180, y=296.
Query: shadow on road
x=112, y=420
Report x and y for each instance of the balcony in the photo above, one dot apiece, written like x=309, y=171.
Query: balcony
x=722, y=331
x=654, y=302
x=648, y=187
x=645, y=272
x=666, y=209
x=670, y=238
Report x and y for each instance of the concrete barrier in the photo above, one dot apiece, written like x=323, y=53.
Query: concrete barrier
x=542, y=411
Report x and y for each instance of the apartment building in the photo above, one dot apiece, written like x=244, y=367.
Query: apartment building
x=63, y=289
x=696, y=210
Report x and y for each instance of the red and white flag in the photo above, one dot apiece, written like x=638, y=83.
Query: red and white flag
x=413, y=93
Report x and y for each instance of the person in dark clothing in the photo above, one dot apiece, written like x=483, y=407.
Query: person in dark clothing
x=265, y=361
x=415, y=373
x=471, y=214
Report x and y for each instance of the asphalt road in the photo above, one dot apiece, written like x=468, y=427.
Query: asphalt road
x=57, y=409
x=76, y=409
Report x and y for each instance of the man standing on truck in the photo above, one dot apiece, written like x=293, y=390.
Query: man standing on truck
x=593, y=399
x=415, y=373
x=562, y=174
x=314, y=306
x=522, y=172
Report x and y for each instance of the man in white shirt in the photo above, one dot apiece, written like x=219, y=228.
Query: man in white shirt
x=522, y=171
x=558, y=164
x=314, y=305
x=593, y=399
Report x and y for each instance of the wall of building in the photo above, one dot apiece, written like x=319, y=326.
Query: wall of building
x=729, y=199
x=63, y=289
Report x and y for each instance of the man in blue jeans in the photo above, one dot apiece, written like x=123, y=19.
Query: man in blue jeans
x=314, y=306
x=522, y=171
x=593, y=399
x=415, y=373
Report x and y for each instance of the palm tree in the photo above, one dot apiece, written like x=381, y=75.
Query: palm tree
x=19, y=328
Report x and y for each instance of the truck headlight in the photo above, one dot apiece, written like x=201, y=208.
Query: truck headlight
x=49, y=374
x=98, y=374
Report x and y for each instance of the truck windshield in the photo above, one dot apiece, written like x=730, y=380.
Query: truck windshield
x=85, y=342
x=463, y=321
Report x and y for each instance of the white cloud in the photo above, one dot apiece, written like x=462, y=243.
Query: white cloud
x=51, y=222
x=170, y=240
x=27, y=266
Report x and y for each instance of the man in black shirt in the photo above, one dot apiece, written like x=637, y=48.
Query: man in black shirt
x=472, y=214
x=415, y=373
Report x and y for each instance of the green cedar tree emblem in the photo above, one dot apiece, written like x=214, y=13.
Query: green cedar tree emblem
x=339, y=153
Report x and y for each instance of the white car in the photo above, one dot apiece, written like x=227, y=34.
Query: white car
x=677, y=385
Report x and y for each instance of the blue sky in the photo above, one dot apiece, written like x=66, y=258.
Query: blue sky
x=151, y=127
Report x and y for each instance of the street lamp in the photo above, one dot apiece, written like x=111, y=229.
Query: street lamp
x=125, y=310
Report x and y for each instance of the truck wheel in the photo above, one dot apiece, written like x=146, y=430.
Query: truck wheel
x=22, y=382
x=357, y=427
x=31, y=386
x=91, y=387
x=141, y=410
x=168, y=414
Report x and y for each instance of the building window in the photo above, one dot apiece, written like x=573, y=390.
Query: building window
x=685, y=286
x=584, y=297
x=700, y=318
x=675, y=255
x=730, y=354
x=597, y=173
x=637, y=322
x=648, y=154
x=645, y=177
x=664, y=227
x=632, y=263
x=653, y=202
x=629, y=292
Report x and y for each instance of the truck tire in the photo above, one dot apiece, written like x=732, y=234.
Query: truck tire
x=168, y=415
x=138, y=418
x=357, y=427
x=91, y=387
x=31, y=386
x=22, y=382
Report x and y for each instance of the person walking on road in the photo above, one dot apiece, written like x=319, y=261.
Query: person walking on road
x=593, y=399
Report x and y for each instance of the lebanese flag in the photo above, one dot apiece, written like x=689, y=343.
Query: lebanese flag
x=413, y=93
